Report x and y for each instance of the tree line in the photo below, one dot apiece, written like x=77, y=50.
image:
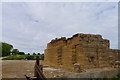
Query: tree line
x=7, y=49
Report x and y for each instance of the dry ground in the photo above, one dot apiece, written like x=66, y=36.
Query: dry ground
x=18, y=68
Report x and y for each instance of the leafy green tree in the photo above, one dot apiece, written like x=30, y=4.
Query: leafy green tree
x=6, y=48
x=15, y=51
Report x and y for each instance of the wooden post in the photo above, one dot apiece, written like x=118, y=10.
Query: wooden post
x=37, y=63
x=37, y=60
x=41, y=68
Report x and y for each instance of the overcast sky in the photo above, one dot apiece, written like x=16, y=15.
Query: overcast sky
x=30, y=26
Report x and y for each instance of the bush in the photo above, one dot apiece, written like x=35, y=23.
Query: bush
x=21, y=53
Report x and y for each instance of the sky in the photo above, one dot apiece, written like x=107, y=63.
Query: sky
x=29, y=26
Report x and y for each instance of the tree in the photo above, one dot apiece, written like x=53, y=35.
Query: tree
x=21, y=53
x=15, y=51
x=38, y=54
x=6, y=48
x=28, y=54
x=34, y=54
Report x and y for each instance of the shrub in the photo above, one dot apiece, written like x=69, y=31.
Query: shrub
x=21, y=53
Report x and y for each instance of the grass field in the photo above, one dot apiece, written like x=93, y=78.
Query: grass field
x=19, y=57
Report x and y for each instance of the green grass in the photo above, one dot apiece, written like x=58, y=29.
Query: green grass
x=18, y=57
x=88, y=42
